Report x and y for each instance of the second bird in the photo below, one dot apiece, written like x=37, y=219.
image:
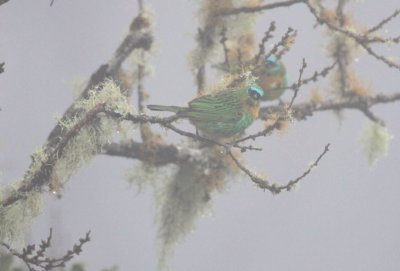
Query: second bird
x=272, y=78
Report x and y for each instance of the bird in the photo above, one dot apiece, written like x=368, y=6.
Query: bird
x=222, y=114
x=271, y=77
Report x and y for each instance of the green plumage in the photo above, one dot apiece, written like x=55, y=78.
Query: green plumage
x=223, y=114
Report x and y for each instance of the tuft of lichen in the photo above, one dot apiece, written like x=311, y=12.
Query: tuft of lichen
x=84, y=136
x=374, y=141
x=16, y=219
x=185, y=197
x=81, y=149
x=182, y=192
x=238, y=31
x=108, y=93
x=143, y=174
x=92, y=136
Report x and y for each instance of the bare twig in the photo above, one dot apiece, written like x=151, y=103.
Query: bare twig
x=36, y=258
x=369, y=114
x=265, y=132
x=267, y=36
x=316, y=75
x=274, y=188
x=362, y=39
x=385, y=60
x=290, y=34
x=297, y=87
x=383, y=22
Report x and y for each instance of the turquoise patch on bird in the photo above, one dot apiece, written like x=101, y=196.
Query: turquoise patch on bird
x=257, y=89
x=272, y=59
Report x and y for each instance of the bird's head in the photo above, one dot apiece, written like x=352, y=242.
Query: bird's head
x=273, y=64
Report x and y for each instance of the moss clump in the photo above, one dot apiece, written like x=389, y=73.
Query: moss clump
x=375, y=142
x=15, y=219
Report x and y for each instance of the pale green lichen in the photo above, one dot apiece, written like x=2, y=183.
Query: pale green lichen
x=181, y=202
x=86, y=135
x=374, y=141
x=185, y=197
x=81, y=149
x=108, y=93
x=93, y=136
x=78, y=85
x=212, y=26
x=15, y=219
x=182, y=193
x=143, y=174
x=39, y=156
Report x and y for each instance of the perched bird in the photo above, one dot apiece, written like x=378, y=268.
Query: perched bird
x=222, y=114
x=272, y=78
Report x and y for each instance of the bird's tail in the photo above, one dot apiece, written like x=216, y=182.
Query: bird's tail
x=169, y=108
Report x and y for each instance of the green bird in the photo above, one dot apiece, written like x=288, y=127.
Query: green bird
x=222, y=114
x=272, y=78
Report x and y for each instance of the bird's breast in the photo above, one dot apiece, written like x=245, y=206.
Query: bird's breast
x=253, y=110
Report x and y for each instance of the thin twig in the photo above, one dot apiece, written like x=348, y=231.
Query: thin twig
x=297, y=87
x=274, y=188
x=267, y=36
x=363, y=40
x=383, y=22
x=35, y=259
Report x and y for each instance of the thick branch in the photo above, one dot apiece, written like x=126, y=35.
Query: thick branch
x=156, y=154
x=41, y=177
x=236, y=11
x=303, y=110
x=3, y=2
x=134, y=40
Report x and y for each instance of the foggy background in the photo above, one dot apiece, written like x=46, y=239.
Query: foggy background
x=343, y=216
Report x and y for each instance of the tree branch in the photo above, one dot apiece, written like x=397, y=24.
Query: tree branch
x=306, y=109
x=134, y=40
x=274, y=188
x=236, y=11
x=3, y=2
x=362, y=39
x=35, y=258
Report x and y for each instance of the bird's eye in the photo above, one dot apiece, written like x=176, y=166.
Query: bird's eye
x=255, y=92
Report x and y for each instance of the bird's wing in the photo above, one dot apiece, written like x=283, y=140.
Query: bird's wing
x=225, y=106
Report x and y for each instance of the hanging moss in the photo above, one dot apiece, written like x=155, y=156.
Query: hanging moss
x=374, y=141
x=16, y=219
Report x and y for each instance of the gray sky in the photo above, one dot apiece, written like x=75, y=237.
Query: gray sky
x=344, y=216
